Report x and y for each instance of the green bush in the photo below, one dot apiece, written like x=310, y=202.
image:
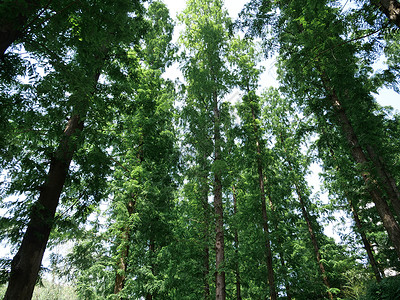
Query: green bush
x=387, y=289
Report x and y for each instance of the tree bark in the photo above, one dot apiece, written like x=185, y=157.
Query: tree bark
x=388, y=220
x=206, y=250
x=367, y=245
x=152, y=249
x=287, y=285
x=307, y=218
x=120, y=275
x=220, y=292
x=386, y=178
x=26, y=263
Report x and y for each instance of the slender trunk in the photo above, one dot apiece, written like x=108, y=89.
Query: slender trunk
x=220, y=293
x=366, y=243
x=307, y=218
x=149, y=296
x=120, y=276
x=26, y=263
x=313, y=240
x=236, y=241
x=388, y=220
x=268, y=252
x=386, y=178
x=206, y=250
x=391, y=8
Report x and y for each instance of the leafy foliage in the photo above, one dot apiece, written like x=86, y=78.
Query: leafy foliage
x=162, y=173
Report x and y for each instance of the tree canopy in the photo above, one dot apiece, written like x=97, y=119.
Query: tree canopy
x=199, y=187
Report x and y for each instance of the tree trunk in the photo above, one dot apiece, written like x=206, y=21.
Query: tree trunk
x=26, y=263
x=220, y=293
x=120, y=275
x=386, y=178
x=236, y=241
x=391, y=8
x=206, y=250
x=307, y=218
x=268, y=252
x=287, y=286
x=279, y=242
x=366, y=243
x=388, y=220
x=313, y=240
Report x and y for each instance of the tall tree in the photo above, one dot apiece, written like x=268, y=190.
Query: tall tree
x=205, y=38
x=90, y=54
x=288, y=145
x=245, y=58
x=148, y=132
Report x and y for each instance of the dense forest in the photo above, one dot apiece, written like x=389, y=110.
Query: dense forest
x=138, y=186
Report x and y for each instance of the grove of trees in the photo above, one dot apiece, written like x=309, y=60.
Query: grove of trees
x=163, y=189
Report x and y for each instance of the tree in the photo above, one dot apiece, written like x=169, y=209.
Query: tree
x=206, y=37
x=90, y=56
x=245, y=57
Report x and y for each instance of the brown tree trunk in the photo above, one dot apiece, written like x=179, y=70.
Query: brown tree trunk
x=120, y=275
x=268, y=251
x=391, y=8
x=26, y=263
x=388, y=220
x=306, y=217
x=236, y=241
x=386, y=178
x=279, y=242
x=313, y=240
x=220, y=292
x=366, y=243
x=206, y=250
